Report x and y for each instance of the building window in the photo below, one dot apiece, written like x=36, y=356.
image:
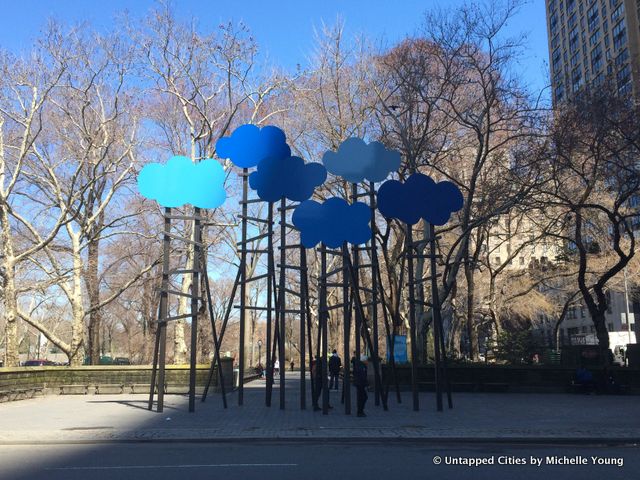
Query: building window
x=622, y=57
x=594, y=38
x=596, y=58
x=619, y=35
x=617, y=12
x=592, y=16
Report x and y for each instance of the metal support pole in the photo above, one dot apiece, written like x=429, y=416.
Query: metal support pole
x=374, y=285
x=216, y=342
x=324, y=313
x=412, y=320
x=304, y=298
x=195, y=294
x=222, y=330
x=271, y=273
x=282, y=298
x=356, y=286
x=346, y=316
x=626, y=304
x=163, y=313
x=243, y=284
x=441, y=355
x=360, y=308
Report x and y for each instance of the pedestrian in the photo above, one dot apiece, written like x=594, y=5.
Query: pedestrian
x=361, y=381
x=276, y=367
x=316, y=377
x=292, y=365
x=335, y=364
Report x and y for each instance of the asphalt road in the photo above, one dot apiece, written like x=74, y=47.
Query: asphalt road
x=313, y=460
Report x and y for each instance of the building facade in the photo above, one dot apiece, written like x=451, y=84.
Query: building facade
x=591, y=41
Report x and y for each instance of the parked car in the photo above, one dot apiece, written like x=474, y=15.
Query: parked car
x=121, y=361
x=38, y=363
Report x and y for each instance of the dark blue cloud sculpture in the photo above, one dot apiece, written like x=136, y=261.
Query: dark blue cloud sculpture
x=332, y=222
x=180, y=181
x=248, y=144
x=356, y=161
x=286, y=177
x=419, y=197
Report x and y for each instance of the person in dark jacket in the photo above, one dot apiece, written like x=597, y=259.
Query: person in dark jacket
x=335, y=364
x=361, y=381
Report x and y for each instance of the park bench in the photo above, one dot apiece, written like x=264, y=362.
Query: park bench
x=109, y=389
x=74, y=389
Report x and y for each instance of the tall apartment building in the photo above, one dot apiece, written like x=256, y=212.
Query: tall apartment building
x=590, y=41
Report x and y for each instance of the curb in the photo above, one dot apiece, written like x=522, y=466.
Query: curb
x=591, y=441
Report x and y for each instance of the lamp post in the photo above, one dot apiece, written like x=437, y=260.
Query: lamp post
x=259, y=351
x=626, y=304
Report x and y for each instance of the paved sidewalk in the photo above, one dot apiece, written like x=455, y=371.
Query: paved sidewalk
x=475, y=417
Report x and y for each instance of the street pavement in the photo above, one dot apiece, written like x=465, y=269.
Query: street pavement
x=310, y=460
x=476, y=417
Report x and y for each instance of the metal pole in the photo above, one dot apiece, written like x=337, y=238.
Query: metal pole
x=374, y=284
x=243, y=284
x=358, y=303
x=164, y=308
x=282, y=297
x=222, y=330
x=412, y=320
x=323, y=327
x=195, y=294
x=356, y=286
x=215, y=341
x=304, y=298
x=626, y=304
x=271, y=273
x=441, y=356
x=346, y=316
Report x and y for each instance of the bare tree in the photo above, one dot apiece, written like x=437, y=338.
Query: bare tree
x=593, y=173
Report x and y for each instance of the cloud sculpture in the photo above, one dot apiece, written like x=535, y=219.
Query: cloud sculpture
x=356, y=161
x=180, y=181
x=248, y=144
x=286, y=177
x=332, y=222
x=419, y=197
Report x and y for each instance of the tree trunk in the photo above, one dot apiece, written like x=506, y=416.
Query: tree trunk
x=11, y=357
x=93, y=290
x=600, y=323
x=472, y=332
x=76, y=352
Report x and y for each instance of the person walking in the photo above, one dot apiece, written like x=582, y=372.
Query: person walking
x=361, y=381
x=276, y=367
x=335, y=364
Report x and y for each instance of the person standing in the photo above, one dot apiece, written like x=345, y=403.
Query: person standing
x=361, y=381
x=276, y=367
x=335, y=364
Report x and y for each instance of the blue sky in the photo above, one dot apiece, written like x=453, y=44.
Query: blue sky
x=283, y=29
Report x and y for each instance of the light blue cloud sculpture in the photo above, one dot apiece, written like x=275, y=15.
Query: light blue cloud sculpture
x=180, y=182
x=332, y=222
x=248, y=144
x=286, y=177
x=419, y=197
x=356, y=161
